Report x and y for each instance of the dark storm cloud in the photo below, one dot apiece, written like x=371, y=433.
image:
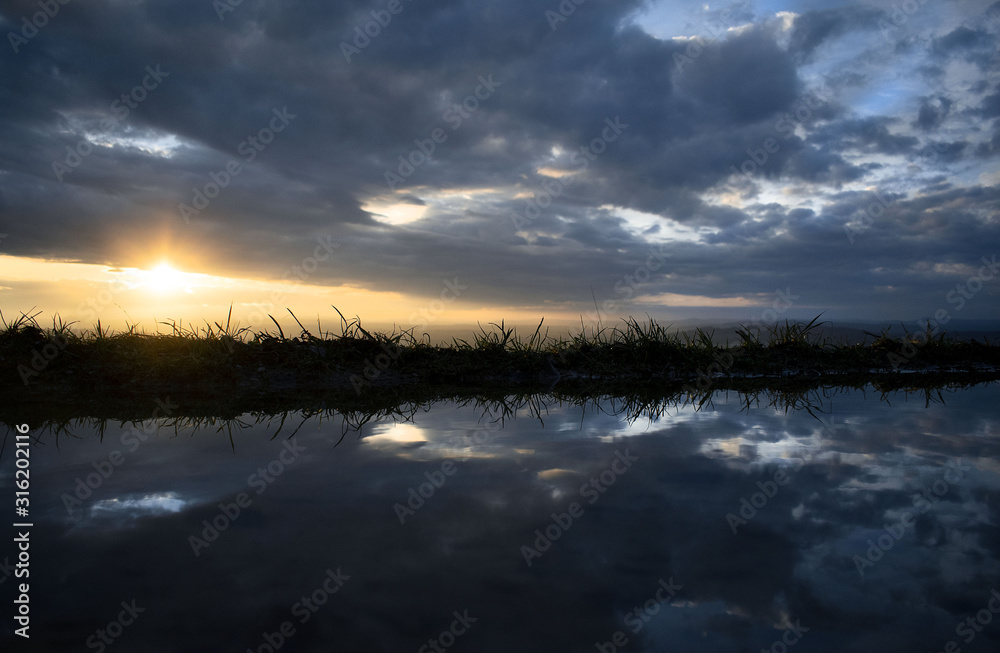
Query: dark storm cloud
x=871, y=135
x=990, y=107
x=962, y=38
x=932, y=112
x=991, y=147
x=813, y=28
x=746, y=78
x=977, y=46
x=530, y=92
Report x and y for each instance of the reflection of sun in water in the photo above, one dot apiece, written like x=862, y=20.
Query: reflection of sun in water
x=164, y=279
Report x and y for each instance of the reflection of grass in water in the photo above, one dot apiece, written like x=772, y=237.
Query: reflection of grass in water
x=285, y=423
x=229, y=369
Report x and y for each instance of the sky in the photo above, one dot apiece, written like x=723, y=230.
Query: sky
x=433, y=162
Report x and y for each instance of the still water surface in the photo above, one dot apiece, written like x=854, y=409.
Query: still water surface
x=866, y=525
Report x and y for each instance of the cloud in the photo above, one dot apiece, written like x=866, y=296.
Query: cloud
x=812, y=29
x=962, y=38
x=840, y=106
x=932, y=113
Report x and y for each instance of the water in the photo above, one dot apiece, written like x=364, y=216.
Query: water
x=865, y=525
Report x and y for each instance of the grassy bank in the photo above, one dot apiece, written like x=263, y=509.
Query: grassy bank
x=222, y=359
x=217, y=372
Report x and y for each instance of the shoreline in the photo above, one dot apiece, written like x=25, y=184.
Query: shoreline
x=61, y=403
x=46, y=369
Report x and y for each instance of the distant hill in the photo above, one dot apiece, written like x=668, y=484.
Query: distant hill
x=723, y=332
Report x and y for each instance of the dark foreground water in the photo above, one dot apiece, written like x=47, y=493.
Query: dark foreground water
x=724, y=529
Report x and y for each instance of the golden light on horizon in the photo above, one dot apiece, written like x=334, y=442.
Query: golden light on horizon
x=119, y=296
x=163, y=291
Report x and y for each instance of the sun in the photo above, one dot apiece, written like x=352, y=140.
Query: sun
x=164, y=279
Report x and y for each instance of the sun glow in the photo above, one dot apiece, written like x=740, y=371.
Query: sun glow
x=164, y=279
x=122, y=296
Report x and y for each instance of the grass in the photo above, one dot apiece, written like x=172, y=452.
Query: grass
x=221, y=359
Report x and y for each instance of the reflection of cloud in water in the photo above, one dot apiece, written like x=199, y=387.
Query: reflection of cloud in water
x=396, y=433
x=761, y=446
x=563, y=482
x=123, y=510
x=554, y=473
x=614, y=424
x=413, y=442
x=665, y=519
